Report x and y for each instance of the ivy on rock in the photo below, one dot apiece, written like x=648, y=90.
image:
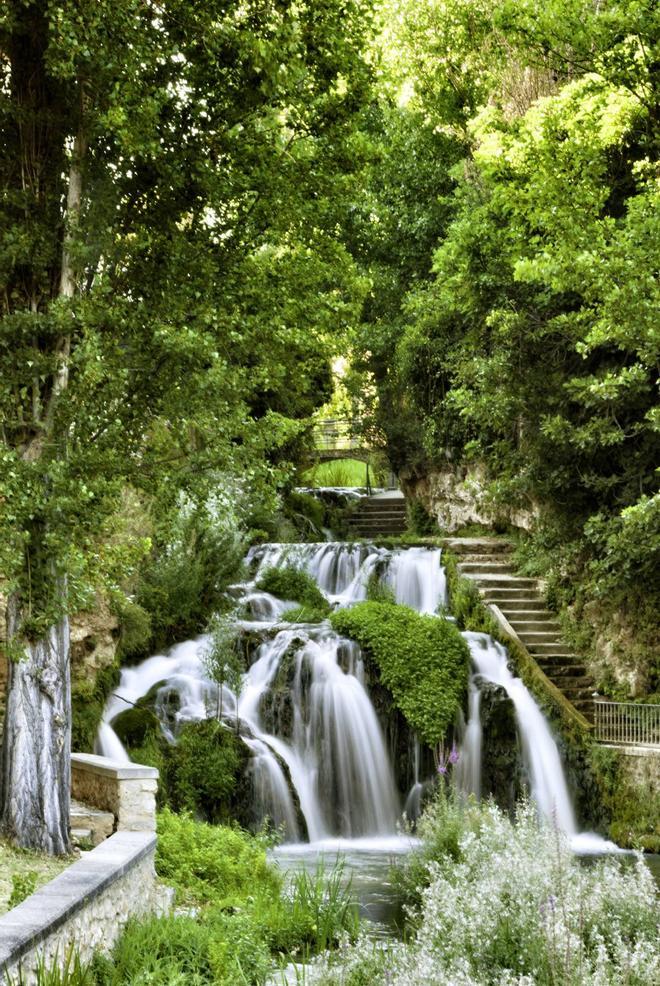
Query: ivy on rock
x=422, y=660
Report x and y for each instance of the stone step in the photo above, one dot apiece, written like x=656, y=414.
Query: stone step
x=485, y=568
x=532, y=617
x=563, y=670
x=464, y=546
x=549, y=647
x=383, y=507
x=569, y=683
x=494, y=558
x=578, y=694
x=534, y=626
x=380, y=524
x=81, y=837
x=538, y=636
x=514, y=600
x=561, y=660
x=512, y=582
x=100, y=824
x=585, y=706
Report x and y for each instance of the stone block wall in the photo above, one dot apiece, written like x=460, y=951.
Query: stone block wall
x=127, y=790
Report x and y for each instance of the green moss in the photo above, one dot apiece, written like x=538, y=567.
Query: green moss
x=204, y=769
x=422, y=660
x=292, y=584
x=304, y=614
x=87, y=704
x=133, y=725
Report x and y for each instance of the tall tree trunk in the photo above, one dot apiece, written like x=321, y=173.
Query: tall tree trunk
x=35, y=785
x=36, y=762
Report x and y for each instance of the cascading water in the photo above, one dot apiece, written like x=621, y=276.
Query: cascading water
x=320, y=768
x=540, y=753
x=319, y=765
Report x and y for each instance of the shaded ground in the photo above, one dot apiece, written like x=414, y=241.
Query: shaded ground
x=26, y=869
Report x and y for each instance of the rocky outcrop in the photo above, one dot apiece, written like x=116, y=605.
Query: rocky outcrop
x=456, y=497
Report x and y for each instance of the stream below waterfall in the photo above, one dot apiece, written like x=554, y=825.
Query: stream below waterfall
x=322, y=765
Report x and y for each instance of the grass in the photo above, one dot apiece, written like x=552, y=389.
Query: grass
x=340, y=472
x=22, y=872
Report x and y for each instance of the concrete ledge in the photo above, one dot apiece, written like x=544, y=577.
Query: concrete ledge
x=94, y=764
x=629, y=750
x=98, y=892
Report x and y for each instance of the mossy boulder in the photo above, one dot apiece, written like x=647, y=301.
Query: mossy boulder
x=134, y=725
x=292, y=584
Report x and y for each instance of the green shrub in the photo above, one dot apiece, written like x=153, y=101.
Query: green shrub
x=198, y=551
x=238, y=951
x=22, y=886
x=212, y=864
x=422, y=660
x=135, y=630
x=293, y=584
x=204, y=768
x=307, y=514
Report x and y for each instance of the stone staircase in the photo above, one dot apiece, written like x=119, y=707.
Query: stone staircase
x=379, y=516
x=488, y=562
x=89, y=826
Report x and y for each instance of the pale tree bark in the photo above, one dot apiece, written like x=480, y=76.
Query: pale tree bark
x=35, y=785
x=36, y=763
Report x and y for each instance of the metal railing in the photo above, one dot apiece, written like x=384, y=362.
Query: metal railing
x=626, y=723
x=338, y=434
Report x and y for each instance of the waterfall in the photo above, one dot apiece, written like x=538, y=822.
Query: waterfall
x=319, y=764
x=540, y=753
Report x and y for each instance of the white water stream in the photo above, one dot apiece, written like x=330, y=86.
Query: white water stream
x=320, y=767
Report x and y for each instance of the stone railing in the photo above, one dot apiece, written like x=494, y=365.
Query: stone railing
x=85, y=908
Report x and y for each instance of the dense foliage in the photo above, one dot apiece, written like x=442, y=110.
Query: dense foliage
x=422, y=660
x=247, y=919
x=513, y=318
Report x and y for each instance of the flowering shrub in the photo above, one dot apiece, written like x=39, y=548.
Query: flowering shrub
x=514, y=906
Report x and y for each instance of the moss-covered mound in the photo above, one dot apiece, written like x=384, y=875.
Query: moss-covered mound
x=422, y=660
x=292, y=584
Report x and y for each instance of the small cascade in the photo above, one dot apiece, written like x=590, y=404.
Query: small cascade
x=418, y=580
x=540, y=753
x=333, y=746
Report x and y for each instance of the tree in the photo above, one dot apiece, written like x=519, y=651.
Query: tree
x=157, y=161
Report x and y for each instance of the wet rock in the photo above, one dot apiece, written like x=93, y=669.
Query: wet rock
x=502, y=771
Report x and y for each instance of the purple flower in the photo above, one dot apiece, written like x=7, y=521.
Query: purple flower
x=454, y=756
x=442, y=767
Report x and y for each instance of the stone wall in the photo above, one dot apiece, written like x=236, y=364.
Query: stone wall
x=128, y=790
x=83, y=909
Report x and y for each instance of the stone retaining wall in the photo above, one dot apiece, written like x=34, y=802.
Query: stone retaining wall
x=85, y=908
